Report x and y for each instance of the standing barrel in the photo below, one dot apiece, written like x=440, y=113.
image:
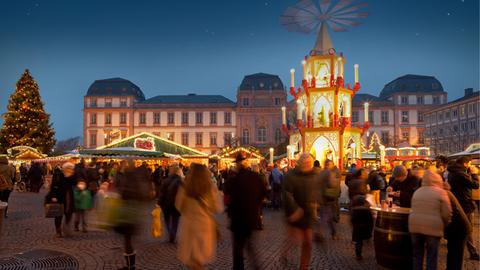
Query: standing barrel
x=393, y=246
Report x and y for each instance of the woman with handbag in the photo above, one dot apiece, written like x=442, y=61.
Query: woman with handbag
x=197, y=201
x=61, y=192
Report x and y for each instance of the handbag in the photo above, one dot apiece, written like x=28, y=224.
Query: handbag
x=156, y=222
x=53, y=210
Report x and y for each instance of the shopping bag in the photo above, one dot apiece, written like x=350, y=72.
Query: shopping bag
x=156, y=222
x=53, y=210
x=108, y=207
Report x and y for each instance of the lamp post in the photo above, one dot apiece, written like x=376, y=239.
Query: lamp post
x=271, y=156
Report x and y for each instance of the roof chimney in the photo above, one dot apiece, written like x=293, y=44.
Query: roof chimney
x=468, y=91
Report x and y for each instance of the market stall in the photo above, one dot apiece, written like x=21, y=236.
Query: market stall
x=226, y=157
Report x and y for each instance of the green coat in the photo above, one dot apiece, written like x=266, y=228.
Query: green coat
x=300, y=190
x=83, y=199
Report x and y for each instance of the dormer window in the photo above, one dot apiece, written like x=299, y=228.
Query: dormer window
x=108, y=103
x=245, y=102
x=93, y=102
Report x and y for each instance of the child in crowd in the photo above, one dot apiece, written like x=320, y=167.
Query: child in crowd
x=83, y=202
x=362, y=222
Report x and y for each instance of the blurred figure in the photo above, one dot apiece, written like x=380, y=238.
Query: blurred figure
x=329, y=192
x=299, y=195
x=430, y=212
x=358, y=183
x=83, y=202
x=243, y=209
x=93, y=177
x=166, y=200
x=157, y=177
x=61, y=191
x=362, y=223
x=276, y=181
x=462, y=183
x=197, y=201
x=456, y=233
x=376, y=183
x=403, y=184
x=80, y=169
x=6, y=183
x=35, y=176
x=24, y=175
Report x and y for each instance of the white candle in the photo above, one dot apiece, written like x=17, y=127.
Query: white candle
x=284, y=115
x=271, y=155
x=340, y=67
x=299, y=109
x=304, y=69
x=365, y=109
x=292, y=77
x=356, y=72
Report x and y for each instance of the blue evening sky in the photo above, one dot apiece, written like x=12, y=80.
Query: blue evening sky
x=206, y=46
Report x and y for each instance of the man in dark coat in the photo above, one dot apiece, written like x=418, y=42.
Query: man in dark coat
x=166, y=200
x=35, y=176
x=403, y=185
x=80, y=170
x=462, y=183
x=61, y=191
x=92, y=177
x=245, y=191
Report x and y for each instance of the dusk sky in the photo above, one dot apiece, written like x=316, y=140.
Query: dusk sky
x=206, y=47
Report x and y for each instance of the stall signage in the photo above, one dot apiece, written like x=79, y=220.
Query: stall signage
x=145, y=143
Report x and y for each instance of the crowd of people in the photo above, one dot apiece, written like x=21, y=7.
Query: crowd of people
x=191, y=197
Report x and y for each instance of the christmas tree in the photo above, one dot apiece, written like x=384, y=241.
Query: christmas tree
x=25, y=122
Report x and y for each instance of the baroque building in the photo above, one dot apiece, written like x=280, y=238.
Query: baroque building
x=117, y=108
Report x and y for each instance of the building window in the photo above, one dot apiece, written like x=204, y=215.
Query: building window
x=213, y=139
x=93, y=139
x=384, y=117
x=455, y=128
x=404, y=116
x=170, y=136
x=245, y=137
x=199, y=118
x=278, y=136
x=93, y=102
x=385, y=137
x=455, y=113
x=406, y=135
x=123, y=103
x=404, y=100
x=227, y=138
x=420, y=117
x=228, y=118
x=156, y=118
x=184, y=118
x=473, y=125
x=143, y=118
x=447, y=115
x=93, y=119
x=185, y=138
x=123, y=118
x=108, y=119
x=245, y=102
x=421, y=137
x=199, y=138
x=370, y=118
x=462, y=111
x=108, y=103
x=355, y=117
x=261, y=134
x=470, y=108
x=171, y=118
x=420, y=100
x=277, y=101
x=436, y=100
x=213, y=118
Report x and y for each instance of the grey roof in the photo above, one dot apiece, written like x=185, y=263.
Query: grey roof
x=411, y=83
x=189, y=99
x=475, y=94
x=115, y=87
x=261, y=81
x=359, y=99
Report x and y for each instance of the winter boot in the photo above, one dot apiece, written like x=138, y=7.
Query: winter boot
x=130, y=260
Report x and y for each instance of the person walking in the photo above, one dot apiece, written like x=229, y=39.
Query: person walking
x=61, y=191
x=376, y=184
x=361, y=219
x=244, y=210
x=6, y=183
x=430, y=213
x=197, y=201
x=166, y=200
x=83, y=203
x=276, y=180
x=92, y=177
x=300, y=210
x=35, y=176
x=462, y=183
x=329, y=192
x=402, y=186
x=358, y=183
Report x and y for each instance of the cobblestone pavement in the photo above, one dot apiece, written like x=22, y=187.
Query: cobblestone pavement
x=27, y=230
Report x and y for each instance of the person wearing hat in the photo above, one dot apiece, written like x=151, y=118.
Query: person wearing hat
x=246, y=192
x=431, y=211
x=61, y=191
x=403, y=184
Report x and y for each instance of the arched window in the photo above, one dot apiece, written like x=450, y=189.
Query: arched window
x=261, y=134
x=245, y=137
x=278, y=136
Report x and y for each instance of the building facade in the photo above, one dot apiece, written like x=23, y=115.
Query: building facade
x=397, y=115
x=450, y=128
x=116, y=108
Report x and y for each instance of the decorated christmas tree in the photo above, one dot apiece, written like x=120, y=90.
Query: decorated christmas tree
x=25, y=122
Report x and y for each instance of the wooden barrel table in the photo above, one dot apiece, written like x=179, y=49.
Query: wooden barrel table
x=393, y=246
